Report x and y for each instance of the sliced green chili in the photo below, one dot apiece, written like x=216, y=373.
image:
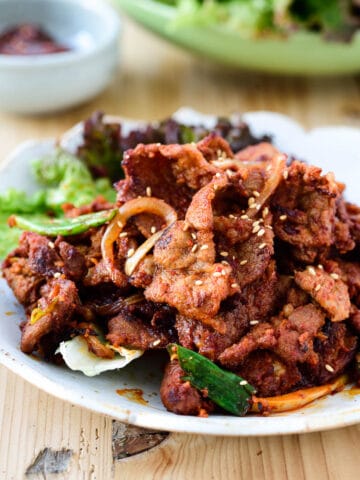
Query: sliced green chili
x=226, y=389
x=62, y=226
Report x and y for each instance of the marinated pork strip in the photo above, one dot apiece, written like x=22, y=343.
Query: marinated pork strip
x=170, y=172
x=143, y=326
x=304, y=207
x=53, y=313
x=327, y=289
x=186, y=274
x=179, y=396
x=290, y=338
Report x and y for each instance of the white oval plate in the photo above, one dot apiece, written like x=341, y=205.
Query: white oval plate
x=333, y=148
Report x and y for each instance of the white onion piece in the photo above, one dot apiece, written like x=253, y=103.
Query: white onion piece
x=110, y=236
x=140, y=253
x=228, y=163
x=129, y=209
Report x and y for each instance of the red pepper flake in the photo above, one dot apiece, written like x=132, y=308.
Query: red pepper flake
x=29, y=39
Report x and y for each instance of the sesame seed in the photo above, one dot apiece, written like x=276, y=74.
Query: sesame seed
x=156, y=342
x=153, y=229
x=263, y=245
x=218, y=175
x=123, y=234
x=216, y=186
x=217, y=274
x=317, y=288
x=199, y=282
x=261, y=232
x=186, y=227
x=148, y=191
x=243, y=382
x=256, y=193
x=130, y=252
x=51, y=244
x=244, y=217
x=120, y=224
x=312, y=271
x=194, y=248
x=234, y=285
x=223, y=272
x=320, y=266
x=224, y=254
x=193, y=236
x=269, y=227
x=229, y=172
x=335, y=276
x=204, y=247
x=329, y=368
x=232, y=216
x=256, y=223
x=265, y=212
x=256, y=229
x=57, y=275
x=283, y=217
x=233, y=257
x=224, y=262
x=285, y=175
x=243, y=262
x=258, y=206
x=254, y=322
x=255, y=205
x=251, y=201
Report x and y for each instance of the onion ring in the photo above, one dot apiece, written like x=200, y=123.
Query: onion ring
x=130, y=209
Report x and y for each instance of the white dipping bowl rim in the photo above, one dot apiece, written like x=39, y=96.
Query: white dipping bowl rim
x=107, y=15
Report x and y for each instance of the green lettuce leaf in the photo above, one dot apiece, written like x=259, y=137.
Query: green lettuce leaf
x=333, y=18
x=64, y=179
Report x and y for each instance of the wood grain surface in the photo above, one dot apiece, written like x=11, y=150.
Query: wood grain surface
x=45, y=438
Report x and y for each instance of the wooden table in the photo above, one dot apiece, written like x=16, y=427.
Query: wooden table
x=153, y=81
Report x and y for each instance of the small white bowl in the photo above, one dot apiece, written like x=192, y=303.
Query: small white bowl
x=44, y=83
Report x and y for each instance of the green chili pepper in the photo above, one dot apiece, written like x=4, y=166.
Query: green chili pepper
x=62, y=226
x=226, y=389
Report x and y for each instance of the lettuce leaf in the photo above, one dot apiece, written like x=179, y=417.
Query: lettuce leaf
x=64, y=179
x=333, y=18
x=68, y=180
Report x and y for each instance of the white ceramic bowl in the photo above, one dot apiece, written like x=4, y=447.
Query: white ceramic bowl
x=45, y=83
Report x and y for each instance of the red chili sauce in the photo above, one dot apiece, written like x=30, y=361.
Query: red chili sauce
x=28, y=39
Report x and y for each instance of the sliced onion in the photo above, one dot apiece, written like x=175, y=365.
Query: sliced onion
x=126, y=211
x=140, y=253
x=227, y=163
x=298, y=399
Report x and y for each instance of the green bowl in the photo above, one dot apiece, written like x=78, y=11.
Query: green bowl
x=303, y=53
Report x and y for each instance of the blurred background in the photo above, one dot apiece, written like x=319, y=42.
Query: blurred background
x=149, y=76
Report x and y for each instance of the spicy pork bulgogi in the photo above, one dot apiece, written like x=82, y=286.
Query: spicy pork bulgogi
x=242, y=257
